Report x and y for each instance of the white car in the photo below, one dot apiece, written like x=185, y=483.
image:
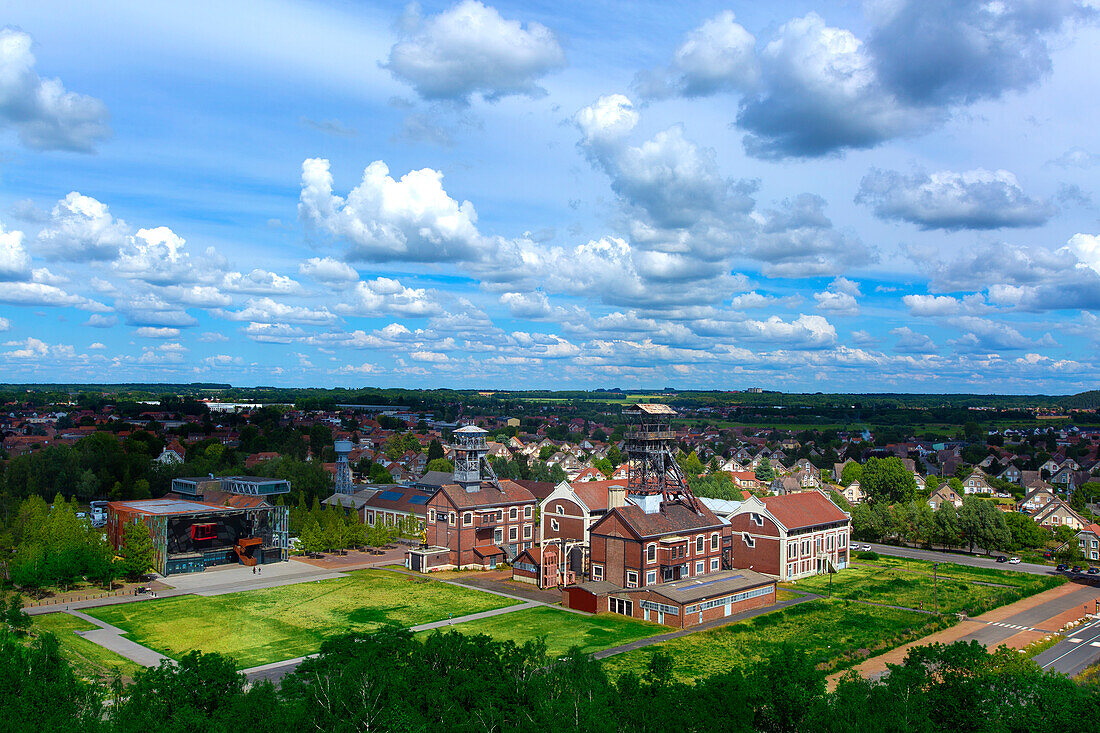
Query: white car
x=1014, y=561
x=866, y=548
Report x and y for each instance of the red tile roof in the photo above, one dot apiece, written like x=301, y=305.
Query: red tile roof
x=803, y=509
x=488, y=495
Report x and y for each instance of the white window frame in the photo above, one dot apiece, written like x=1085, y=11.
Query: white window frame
x=748, y=539
x=527, y=531
x=631, y=578
x=370, y=519
x=700, y=544
x=431, y=515
x=467, y=519
x=715, y=541
x=714, y=564
x=513, y=513
x=650, y=577
x=651, y=552
x=527, y=510
x=700, y=567
x=513, y=533
x=554, y=527
x=498, y=535
x=757, y=519
x=597, y=572
x=561, y=509
x=451, y=518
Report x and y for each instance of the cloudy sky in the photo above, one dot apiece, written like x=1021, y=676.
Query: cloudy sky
x=893, y=195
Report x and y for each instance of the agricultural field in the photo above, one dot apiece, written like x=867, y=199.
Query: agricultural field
x=835, y=634
x=562, y=629
x=89, y=659
x=897, y=582
x=261, y=626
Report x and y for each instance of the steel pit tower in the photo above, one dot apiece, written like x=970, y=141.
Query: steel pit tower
x=343, y=470
x=652, y=466
x=471, y=458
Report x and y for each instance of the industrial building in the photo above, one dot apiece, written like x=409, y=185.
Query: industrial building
x=190, y=536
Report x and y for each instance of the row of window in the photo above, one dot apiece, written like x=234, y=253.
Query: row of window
x=807, y=547
x=529, y=567
x=700, y=547
x=727, y=600
x=663, y=607
x=468, y=517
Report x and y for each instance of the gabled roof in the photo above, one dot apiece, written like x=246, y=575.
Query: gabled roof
x=803, y=509
x=594, y=494
x=672, y=518
x=487, y=495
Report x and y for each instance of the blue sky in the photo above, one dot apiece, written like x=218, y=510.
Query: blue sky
x=894, y=195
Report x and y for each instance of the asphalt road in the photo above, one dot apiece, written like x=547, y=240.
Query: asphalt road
x=1036, y=618
x=976, y=561
x=1080, y=650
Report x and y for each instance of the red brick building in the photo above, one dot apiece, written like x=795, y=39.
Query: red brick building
x=790, y=536
x=679, y=604
x=478, y=521
x=650, y=541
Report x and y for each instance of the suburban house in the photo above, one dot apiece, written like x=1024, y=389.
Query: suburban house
x=852, y=493
x=976, y=483
x=1088, y=541
x=790, y=536
x=1037, y=498
x=942, y=495
x=1058, y=513
x=1011, y=474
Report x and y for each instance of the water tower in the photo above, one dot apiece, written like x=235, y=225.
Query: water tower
x=343, y=470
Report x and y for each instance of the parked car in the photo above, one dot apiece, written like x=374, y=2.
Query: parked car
x=1062, y=567
x=1002, y=558
x=866, y=548
x=1076, y=568
x=1093, y=570
x=1014, y=561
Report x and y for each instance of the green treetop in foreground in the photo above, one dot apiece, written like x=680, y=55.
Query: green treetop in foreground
x=393, y=681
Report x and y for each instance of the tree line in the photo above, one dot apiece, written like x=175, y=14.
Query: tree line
x=392, y=681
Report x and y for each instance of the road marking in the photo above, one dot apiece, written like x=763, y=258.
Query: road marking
x=1074, y=641
x=1095, y=643
x=1090, y=627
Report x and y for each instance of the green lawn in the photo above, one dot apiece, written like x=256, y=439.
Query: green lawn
x=562, y=629
x=894, y=582
x=88, y=658
x=260, y=626
x=835, y=634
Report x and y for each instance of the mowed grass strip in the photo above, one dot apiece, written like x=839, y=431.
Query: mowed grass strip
x=262, y=626
x=89, y=659
x=835, y=635
x=562, y=629
x=892, y=584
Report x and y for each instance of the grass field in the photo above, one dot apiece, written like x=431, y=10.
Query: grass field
x=562, y=629
x=887, y=581
x=835, y=635
x=88, y=659
x=261, y=626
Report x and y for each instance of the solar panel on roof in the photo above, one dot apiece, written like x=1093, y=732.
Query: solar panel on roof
x=390, y=495
x=419, y=500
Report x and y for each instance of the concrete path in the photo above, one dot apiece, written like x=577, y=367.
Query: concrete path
x=445, y=623
x=110, y=637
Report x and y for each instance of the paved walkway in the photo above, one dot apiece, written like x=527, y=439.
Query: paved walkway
x=110, y=637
